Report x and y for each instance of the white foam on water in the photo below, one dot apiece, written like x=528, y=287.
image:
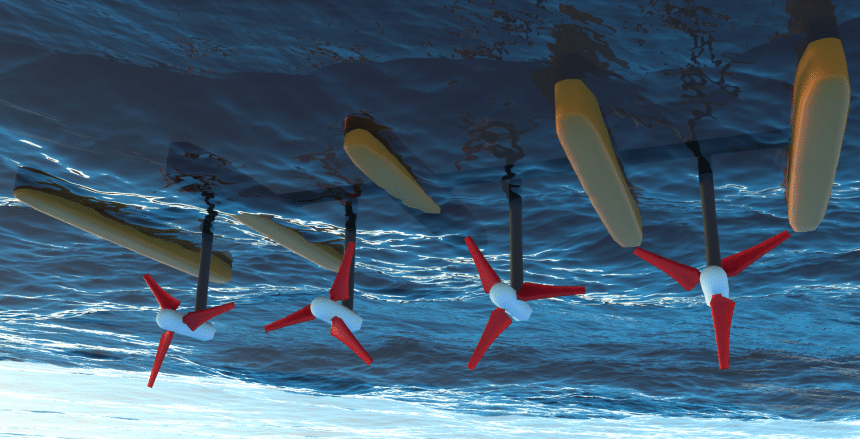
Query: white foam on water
x=40, y=400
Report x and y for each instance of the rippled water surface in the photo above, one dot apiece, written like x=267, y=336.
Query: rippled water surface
x=95, y=95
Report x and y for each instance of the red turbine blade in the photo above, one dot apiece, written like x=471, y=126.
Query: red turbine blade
x=531, y=291
x=166, y=338
x=340, y=288
x=687, y=276
x=736, y=263
x=197, y=318
x=721, y=311
x=166, y=301
x=487, y=274
x=302, y=315
x=342, y=333
x=498, y=322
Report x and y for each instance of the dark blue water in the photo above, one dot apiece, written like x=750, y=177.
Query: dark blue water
x=93, y=94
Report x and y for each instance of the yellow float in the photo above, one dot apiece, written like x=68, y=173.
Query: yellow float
x=381, y=167
x=818, y=117
x=75, y=210
x=319, y=253
x=585, y=139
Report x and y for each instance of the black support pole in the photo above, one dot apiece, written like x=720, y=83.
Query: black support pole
x=515, y=209
x=205, y=255
x=349, y=236
x=709, y=219
x=709, y=208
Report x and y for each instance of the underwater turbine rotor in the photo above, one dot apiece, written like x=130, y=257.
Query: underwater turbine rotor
x=714, y=277
x=510, y=303
x=194, y=324
x=344, y=321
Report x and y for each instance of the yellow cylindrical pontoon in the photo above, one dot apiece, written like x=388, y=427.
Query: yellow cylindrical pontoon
x=321, y=254
x=381, y=167
x=585, y=139
x=73, y=209
x=819, y=114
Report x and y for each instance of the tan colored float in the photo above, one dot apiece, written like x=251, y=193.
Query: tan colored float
x=819, y=114
x=321, y=254
x=381, y=167
x=74, y=210
x=585, y=139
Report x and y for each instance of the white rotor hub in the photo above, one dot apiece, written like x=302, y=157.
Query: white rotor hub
x=325, y=309
x=171, y=320
x=714, y=281
x=505, y=297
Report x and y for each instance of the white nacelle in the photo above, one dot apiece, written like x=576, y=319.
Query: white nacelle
x=714, y=281
x=505, y=297
x=171, y=320
x=324, y=308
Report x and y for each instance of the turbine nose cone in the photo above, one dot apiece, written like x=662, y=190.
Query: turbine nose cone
x=501, y=294
x=325, y=309
x=714, y=281
x=171, y=320
x=505, y=297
